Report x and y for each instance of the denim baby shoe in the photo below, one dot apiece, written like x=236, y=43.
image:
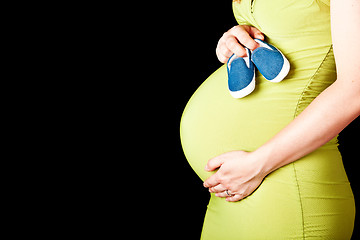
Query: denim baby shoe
x=270, y=62
x=241, y=75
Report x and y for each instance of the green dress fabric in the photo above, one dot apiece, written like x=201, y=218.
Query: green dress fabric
x=310, y=198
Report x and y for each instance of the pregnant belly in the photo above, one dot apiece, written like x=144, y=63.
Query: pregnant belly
x=214, y=123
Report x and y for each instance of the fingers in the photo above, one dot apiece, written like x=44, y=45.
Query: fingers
x=234, y=41
x=234, y=198
x=222, y=194
x=255, y=33
x=211, y=181
x=223, y=53
x=220, y=191
x=217, y=189
x=242, y=34
x=227, y=46
x=214, y=163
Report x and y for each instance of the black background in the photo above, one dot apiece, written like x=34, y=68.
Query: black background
x=184, y=46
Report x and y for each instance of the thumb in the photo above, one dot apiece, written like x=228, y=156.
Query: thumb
x=214, y=163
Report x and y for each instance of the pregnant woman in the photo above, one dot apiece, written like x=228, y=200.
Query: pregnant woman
x=270, y=159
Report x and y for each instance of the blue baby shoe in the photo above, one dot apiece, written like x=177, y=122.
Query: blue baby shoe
x=241, y=75
x=270, y=62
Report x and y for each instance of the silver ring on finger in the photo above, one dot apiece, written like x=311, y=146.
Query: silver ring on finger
x=230, y=195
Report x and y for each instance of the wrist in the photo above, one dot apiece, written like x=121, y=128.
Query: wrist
x=265, y=159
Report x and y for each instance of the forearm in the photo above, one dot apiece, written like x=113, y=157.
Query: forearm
x=321, y=121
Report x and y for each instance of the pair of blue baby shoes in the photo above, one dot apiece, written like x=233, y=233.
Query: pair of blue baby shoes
x=270, y=62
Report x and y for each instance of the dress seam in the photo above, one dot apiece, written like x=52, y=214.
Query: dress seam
x=296, y=113
x=301, y=204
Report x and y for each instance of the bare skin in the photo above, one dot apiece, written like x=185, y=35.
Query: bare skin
x=242, y=172
x=229, y=42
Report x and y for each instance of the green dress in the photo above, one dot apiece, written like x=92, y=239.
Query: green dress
x=310, y=198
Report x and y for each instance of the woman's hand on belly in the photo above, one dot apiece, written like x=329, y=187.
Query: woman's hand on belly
x=239, y=173
x=234, y=40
